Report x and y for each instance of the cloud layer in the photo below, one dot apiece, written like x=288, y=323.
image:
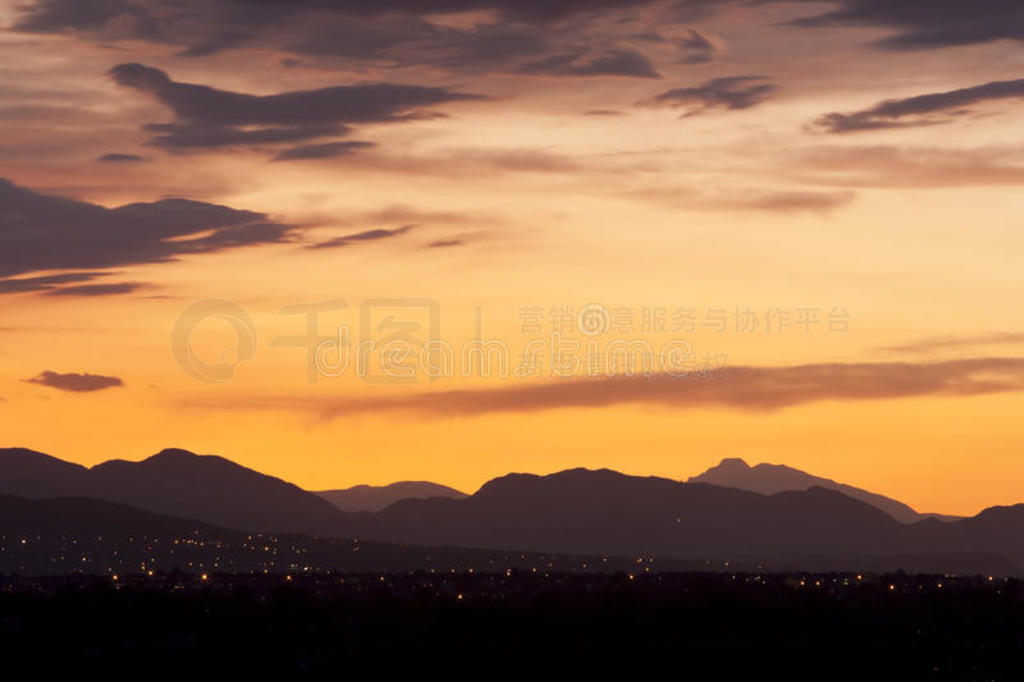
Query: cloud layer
x=507, y=35
x=921, y=24
x=45, y=232
x=742, y=388
x=208, y=118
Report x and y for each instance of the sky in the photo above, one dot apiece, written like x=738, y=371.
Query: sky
x=358, y=242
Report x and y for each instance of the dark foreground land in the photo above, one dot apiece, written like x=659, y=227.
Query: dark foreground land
x=744, y=626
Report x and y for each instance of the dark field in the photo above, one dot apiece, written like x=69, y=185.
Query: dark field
x=692, y=626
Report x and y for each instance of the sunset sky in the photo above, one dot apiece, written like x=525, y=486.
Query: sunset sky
x=821, y=200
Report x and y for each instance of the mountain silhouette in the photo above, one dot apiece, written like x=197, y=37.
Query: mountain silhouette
x=29, y=473
x=74, y=517
x=374, y=498
x=578, y=512
x=607, y=513
x=767, y=479
x=176, y=482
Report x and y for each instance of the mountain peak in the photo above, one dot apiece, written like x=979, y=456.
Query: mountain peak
x=174, y=454
x=769, y=479
x=732, y=464
x=374, y=498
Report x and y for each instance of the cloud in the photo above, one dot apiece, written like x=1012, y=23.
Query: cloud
x=396, y=32
x=328, y=150
x=76, y=383
x=445, y=243
x=618, y=62
x=120, y=158
x=504, y=35
x=922, y=110
x=43, y=232
x=697, y=48
x=910, y=166
x=788, y=201
x=44, y=283
x=750, y=199
x=209, y=118
x=748, y=388
x=87, y=290
x=367, y=236
x=922, y=24
x=941, y=343
x=732, y=93
x=141, y=19
x=745, y=388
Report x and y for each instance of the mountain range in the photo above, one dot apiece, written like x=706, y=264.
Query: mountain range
x=769, y=479
x=575, y=512
x=374, y=498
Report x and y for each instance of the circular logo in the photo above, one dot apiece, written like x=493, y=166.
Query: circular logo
x=243, y=350
x=593, y=319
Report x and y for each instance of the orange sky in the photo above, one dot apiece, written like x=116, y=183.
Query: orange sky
x=556, y=186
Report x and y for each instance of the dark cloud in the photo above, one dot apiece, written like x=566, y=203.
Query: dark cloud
x=45, y=283
x=208, y=117
x=733, y=92
x=621, y=62
x=942, y=343
x=922, y=110
x=120, y=158
x=542, y=38
x=143, y=19
x=44, y=232
x=328, y=150
x=922, y=24
x=388, y=32
x=76, y=383
x=183, y=137
x=369, y=235
x=87, y=290
x=445, y=243
x=697, y=48
x=404, y=31
x=604, y=112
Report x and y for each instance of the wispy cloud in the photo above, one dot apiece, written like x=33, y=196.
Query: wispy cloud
x=741, y=388
x=731, y=93
x=922, y=110
x=367, y=236
x=941, y=343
